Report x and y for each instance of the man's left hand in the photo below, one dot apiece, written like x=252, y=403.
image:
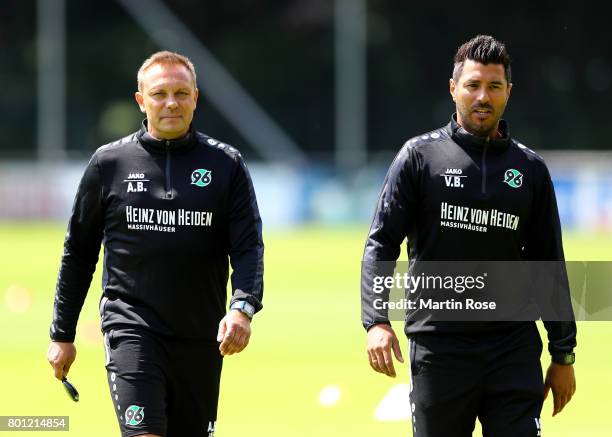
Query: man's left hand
x=560, y=378
x=234, y=332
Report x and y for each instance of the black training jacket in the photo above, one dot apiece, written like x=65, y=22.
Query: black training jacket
x=449, y=168
x=170, y=214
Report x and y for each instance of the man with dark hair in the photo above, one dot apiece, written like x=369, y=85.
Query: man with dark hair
x=461, y=371
x=484, y=50
x=173, y=207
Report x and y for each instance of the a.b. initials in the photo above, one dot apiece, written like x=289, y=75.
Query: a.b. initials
x=136, y=183
x=137, y=187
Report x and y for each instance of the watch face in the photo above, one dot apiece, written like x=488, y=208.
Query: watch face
x=564, y=358
x=243, y=307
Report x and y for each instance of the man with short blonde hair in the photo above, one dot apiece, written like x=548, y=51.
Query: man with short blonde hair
x=173, y=207
x=166, y=57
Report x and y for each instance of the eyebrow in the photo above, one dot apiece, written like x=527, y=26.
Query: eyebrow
x=163, y=87
x=495, y=82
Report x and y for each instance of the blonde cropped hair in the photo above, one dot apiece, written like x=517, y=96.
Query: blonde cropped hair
x=165, y=57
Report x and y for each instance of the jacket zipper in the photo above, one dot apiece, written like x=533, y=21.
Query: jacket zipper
x=168, y=180
x=484, y=166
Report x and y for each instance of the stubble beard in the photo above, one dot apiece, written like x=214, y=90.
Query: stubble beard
x=479, y=129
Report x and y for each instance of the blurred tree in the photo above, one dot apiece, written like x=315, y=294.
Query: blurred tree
x=282, y=53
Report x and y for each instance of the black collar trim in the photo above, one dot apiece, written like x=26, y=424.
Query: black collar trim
x=155, y=144
x=467, y=139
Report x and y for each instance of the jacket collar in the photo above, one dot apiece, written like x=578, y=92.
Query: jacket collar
x=160, y=145
x=467, y=139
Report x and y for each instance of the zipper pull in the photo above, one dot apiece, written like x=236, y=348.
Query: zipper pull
x=483, y=185
x=168, y=180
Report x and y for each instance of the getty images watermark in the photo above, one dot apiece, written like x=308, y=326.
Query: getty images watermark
x=487, y=290
x=416, y=284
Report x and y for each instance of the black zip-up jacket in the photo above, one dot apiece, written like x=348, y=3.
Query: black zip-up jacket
x=450, y=167
x=170, y=214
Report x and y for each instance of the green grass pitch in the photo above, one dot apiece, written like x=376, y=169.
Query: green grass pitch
x=308, y=337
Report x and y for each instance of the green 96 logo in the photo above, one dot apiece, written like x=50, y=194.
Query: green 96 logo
x=201, y=177
x=134, y=415
x=513, y=177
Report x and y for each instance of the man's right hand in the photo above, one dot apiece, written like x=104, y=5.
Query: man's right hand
x=381, y=339
x=61, y=356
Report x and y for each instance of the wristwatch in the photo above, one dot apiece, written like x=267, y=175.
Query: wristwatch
x=564, y=358
x=244, y=307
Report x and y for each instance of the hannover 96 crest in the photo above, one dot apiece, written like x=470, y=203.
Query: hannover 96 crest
x=201, y=177
x=513, y=177
x=134, y=414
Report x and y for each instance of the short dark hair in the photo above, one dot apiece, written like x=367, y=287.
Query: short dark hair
x=484, y=49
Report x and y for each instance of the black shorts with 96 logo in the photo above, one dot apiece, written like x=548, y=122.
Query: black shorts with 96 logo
x=493, y=376
x=162, y=386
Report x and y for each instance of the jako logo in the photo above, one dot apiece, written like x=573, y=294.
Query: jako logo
x=136, y=183
x=201, y=177
x=452, y=177
x=513, y=178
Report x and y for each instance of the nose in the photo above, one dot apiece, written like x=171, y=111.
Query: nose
x=171, y=103
x=482, y=96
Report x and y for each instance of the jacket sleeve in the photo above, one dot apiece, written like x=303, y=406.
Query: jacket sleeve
x=394, y=216
x=81, y=249
x=246, y=247
x=544, y=243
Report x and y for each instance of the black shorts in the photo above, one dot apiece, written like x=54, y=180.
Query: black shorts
x=496, y=378
x=163, y=387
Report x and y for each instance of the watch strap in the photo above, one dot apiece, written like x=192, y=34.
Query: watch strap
x=564, y=358
x=244, y=307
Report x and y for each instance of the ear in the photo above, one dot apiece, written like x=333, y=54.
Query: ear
x=509, y=89
x=452, y=88
x=140, y=100
x=196, y=95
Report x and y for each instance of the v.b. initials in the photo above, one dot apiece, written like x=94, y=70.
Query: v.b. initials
x=453, y=177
